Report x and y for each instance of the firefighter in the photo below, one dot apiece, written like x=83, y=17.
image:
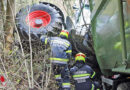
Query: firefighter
x=61, y=50
x=83, y=74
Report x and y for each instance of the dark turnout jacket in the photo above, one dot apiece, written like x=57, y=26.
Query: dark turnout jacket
x=60, y=49
x=82, y=76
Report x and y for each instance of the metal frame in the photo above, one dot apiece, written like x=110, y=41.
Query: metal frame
x=122, y=32
x=113, y=82
x=122, y=29
x=91, y=5
x=102, y=4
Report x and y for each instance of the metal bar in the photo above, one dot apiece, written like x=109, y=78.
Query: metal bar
x=81, y=9
x=107, y=80
x=123, y=0
x=128, y=11
x=98, y=10
x=103, y=86
x=122, y=32
x=91, y=5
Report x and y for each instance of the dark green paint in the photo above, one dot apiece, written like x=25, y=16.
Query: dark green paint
x=110, y=36
x=122, y=32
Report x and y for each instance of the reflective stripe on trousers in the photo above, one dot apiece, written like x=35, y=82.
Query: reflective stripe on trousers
x=66, y=85
x=58, y=77
x=92, y=87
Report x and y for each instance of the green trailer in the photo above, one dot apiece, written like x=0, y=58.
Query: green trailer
x=110, y=21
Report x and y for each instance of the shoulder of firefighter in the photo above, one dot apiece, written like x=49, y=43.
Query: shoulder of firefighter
x=73, y=69
x=63, y=44
x=92, y=72
x=61, y=48
x=85, y=72
x=44, y=39
x=57, y=41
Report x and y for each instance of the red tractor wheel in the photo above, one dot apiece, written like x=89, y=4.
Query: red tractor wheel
x=39, y=19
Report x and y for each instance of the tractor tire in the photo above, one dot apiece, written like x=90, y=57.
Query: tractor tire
x=124, y=86
x=39, y=19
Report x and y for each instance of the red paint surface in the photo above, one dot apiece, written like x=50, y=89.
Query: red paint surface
x=39, y=14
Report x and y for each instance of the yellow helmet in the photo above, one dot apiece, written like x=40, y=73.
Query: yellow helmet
x=64, y=33
x=80, y=57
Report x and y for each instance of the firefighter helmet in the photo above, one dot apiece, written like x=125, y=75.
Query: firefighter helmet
x=80, y=57
x=64, y=33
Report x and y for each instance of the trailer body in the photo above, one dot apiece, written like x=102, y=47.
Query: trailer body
x=110, y=21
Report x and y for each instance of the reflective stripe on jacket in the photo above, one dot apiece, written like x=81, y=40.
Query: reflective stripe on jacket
x=59, y=60
x=82, y=77
x=84, y=72
x=61, y=49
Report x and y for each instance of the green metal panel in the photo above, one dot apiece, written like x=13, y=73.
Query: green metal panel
x=109, y=37
x=127, y=28
x=97, y=8
x=96, y=4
